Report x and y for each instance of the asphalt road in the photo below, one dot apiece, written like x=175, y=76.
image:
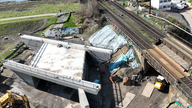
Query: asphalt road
x=32, y=16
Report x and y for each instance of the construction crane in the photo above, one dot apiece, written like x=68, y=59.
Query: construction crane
x=14, y=100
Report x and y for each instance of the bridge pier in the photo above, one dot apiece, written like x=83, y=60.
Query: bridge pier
x=83, y=99
x=146, y=65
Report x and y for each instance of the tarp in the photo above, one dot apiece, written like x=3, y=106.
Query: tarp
x=107, y=38
x=130, y=54
x=123, y=58
x=61, y=32
x=134, y=64
x=115, y=65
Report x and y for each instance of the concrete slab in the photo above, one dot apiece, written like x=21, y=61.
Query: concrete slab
x=61, y=61
x=148, y=90
x=61, y=19
x=128, y=98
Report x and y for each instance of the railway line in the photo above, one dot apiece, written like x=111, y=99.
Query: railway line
x=154, y=32
x=166, y=63
x=142, y=42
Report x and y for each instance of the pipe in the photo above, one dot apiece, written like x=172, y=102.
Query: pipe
x=170, y=60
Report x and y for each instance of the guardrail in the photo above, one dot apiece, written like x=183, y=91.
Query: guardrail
x=65, y=80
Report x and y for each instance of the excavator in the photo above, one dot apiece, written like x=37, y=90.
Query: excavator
x=14, y=100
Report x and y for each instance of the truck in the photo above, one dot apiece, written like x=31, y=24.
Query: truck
x=160, y=83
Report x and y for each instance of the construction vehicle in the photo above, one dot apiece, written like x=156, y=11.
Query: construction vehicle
x=160, y=83
x=14, y=100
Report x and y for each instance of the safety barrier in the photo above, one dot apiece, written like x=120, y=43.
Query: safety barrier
x=64, y=80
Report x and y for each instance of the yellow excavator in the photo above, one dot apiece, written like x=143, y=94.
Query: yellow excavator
x=160, y=83
x=14, y=100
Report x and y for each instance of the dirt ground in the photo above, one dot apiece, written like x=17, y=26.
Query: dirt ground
x=114, y=93
x=12, y=39
x=48, y=95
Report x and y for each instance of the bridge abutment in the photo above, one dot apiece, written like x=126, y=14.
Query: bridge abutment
x=32, y=81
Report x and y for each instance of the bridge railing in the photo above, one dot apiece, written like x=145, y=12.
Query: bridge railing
x=39, y=72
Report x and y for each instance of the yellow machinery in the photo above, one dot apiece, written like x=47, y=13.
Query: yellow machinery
x=160, y=83
x=13, y=100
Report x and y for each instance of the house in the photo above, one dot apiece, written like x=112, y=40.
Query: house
x=161, y=4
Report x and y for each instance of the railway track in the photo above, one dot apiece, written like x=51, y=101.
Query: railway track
x=154, y=33
x=142, y=42
x=157, y=34
x=174, y=70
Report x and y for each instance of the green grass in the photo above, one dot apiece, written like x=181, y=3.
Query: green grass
x=24, y=19
x=129, y=22
x=70, y=23
x=9, y=51
x=136, y=27
x=49, y=21
x=120, y=2
x=147, y=3
x=17, y=27
x=4, y=47
x=110, y=7
x=79, y=18
x=41, y=9
x=190, y=1
x=152, y=22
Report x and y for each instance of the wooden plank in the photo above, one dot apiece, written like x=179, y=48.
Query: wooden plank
x=148, y=90
x=127, y=100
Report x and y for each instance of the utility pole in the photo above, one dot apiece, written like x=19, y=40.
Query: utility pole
x=137, y=2
x=150, y=7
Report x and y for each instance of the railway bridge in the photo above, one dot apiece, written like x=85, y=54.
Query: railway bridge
x=171, y=58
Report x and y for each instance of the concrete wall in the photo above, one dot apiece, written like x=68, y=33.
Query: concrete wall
x=85, y=69
x=103, y=54
x=176, y=95
x=68, y=81
x=83, y=99
x=35, y=45
x=32, y=81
